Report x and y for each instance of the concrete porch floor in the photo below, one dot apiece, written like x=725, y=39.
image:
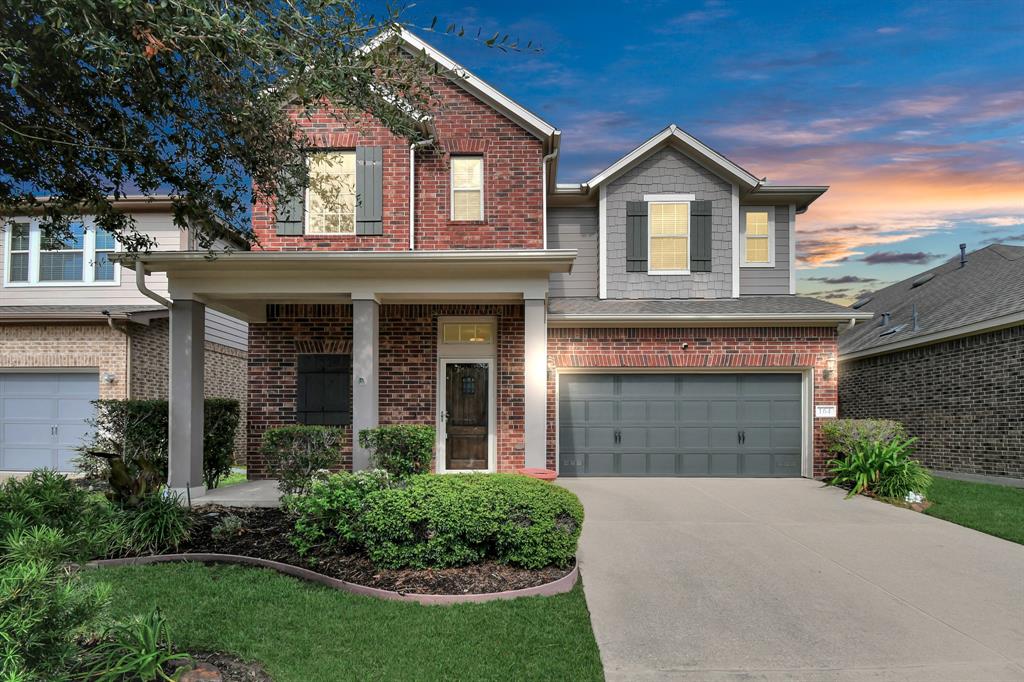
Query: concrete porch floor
x=248, y=494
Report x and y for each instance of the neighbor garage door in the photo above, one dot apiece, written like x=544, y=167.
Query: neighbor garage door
x=679, y=424
x=43, y=418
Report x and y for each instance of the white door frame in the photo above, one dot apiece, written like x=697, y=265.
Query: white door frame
x=492, y=401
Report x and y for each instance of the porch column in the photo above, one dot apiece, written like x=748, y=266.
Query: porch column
x=535, y=368
x=185, y=451
x=365, y=357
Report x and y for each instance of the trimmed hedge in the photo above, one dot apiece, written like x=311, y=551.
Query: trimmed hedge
x=843, y=436
x=402, y=450
x=329, y=516
x=138, y=429
x=297, y=454
x=437, y=521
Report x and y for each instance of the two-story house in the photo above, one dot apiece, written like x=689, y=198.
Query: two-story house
x=74, y=327
x=641, y=323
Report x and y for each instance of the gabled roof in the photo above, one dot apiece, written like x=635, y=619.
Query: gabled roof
x=472, y=83
x=951, y=301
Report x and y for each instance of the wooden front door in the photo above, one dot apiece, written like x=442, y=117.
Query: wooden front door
x=466, y=416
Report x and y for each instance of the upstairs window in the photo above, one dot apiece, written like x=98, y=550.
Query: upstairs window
x=669, y=229
x=758, y=242
x=467, y=188
x=331, y=196
x=17, y=263
x=62, y=260
x=33, y=258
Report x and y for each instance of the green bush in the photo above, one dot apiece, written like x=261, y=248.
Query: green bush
x=436, y=521
x=296, y=455
x=158, y=524
x=138, y=431
x=882, y=468
x=328, y=517
x=402, y=450
x=139, y=649
x=843, y=435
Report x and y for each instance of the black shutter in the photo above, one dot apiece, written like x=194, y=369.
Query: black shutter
x=700, y=236
x=636, y=236
x=290, y=212
x=369, y=190
x=324, y=390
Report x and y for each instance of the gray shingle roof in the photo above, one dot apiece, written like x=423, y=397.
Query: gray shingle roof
x=750, y=306
x=990, y=286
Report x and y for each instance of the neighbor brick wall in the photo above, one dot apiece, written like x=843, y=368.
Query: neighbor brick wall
x=725, y=348
x=463, y=124
x=92, y=345
x=963, y=399
x=408, y=368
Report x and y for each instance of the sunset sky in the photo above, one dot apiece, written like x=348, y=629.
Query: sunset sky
x=913, y=112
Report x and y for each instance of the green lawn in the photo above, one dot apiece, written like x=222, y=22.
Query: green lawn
x=304, y=633
x=993, y=509
x=236, y=476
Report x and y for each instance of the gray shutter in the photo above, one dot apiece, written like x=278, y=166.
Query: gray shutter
x=636, y=236
x=700, y=236
x=369, y=190
x=290, y=212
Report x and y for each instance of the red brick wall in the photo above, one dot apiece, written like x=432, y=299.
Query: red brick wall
x=464, y=124
x=739, y=348
x=408, y=368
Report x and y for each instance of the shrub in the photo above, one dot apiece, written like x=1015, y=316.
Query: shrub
x=137, y=430
x=328, y=516
x=436, y=521
x=402, y=450
x=883, y=468
x=159, y=523
x=297, y=454
x=230, y=526
x=843, y=435
x=140, y=649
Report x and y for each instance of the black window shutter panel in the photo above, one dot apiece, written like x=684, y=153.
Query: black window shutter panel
x=369, y=190
x=700, y=239
x=290, y=212
x=636, y=236
x=324, y=390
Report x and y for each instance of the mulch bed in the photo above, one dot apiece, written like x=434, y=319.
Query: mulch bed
x=264, y=535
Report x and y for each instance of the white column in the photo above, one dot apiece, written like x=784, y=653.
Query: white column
x=185, y=452
x=365, y=368
x=535, y=368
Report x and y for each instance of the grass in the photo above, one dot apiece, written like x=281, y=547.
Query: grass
x=993, y=509
x=236, y=476
x=307, y=633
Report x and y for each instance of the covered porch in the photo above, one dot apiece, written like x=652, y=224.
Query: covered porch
x=453, y=339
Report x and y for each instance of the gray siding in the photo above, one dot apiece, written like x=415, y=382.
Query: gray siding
x=669, y=171
x=226, y=330
x=771, y=280
x=575, y=228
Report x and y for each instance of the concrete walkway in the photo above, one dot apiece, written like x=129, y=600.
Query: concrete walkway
x=783, y=579
x=247, y=494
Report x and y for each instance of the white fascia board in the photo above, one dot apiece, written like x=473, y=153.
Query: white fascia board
x=723, y=317
x=602, y=243
x=792, y=248
x=686, y=139
x=994, y=324
x=735, y=206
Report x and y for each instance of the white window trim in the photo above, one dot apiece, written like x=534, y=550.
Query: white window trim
x=34, y=244
x=770, y=210
x=689, y=230
x=305, y=200
x=451, y=187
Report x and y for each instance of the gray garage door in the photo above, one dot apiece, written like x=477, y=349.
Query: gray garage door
x=679, y=424
x=42, y=418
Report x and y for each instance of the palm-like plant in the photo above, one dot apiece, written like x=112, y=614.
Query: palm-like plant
x=882, y=468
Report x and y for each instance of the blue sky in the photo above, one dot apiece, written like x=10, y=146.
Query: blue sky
x=913, y=112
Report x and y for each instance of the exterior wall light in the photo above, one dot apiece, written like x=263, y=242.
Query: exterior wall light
x=108, y=377
x=830, y=368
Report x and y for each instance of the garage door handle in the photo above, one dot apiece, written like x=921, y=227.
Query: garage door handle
x=741, y=436
x=618, y=436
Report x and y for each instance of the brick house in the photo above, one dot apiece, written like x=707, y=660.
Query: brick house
x=74, y=327
x=641, y=323
x=944, y=354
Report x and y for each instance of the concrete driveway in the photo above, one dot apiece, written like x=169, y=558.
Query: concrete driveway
x=783, y=579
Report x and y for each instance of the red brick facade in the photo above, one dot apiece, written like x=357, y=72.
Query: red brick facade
x=725, y=348
x=463, y=124
x=408, y=368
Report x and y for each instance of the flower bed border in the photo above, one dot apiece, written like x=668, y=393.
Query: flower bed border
x=559, y=586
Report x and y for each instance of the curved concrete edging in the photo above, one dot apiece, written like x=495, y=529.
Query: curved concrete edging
x=560, y=586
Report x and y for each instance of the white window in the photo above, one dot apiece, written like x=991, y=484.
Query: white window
x=468, y=332
x=467, y=188
x=331, y=196
x=757, y=241
x=668, y=229
x=35, y=259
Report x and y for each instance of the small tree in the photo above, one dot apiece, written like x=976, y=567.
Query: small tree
x=296, y=455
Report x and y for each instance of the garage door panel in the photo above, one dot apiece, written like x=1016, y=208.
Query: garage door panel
x=695, y=437
x=27, y=432
x=694, y=464
x=663, y=437
x=693, y=411
x=633, y=464
x=576, y=410
x=27, y=408
x=661, y=411
x=633, y=411
x=65, y=459
x=723, y=437
x=787, y=465
x=633, y=437
x=601, y=438
x=661, y=464
x=786, y=411
x=26, y=458
x=600, y=464
x=600, y=411
x=647, y=385
x=783, y=437
x=757, y=464
x=29, y=384
x=757, y=437
x=724, y=464
x=590, y=384
x=74, y=408
x=708, y=385
x=723, y=411
x=755, y=411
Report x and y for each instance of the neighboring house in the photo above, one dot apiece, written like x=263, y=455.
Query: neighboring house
x=641, y=323
x=944, y=354
x=74, y=327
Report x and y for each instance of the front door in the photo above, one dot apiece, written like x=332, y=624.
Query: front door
x=466, y=417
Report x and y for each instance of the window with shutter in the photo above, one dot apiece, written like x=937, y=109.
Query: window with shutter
x=331, y=195
x=669, y=233
x=324, y=390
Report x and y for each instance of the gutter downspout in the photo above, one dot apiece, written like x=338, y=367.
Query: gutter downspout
x=140, y=282
x=412, y=190
x=544, y=191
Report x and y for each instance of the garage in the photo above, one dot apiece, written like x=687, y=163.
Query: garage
x=680, y=424
x=43, y=418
